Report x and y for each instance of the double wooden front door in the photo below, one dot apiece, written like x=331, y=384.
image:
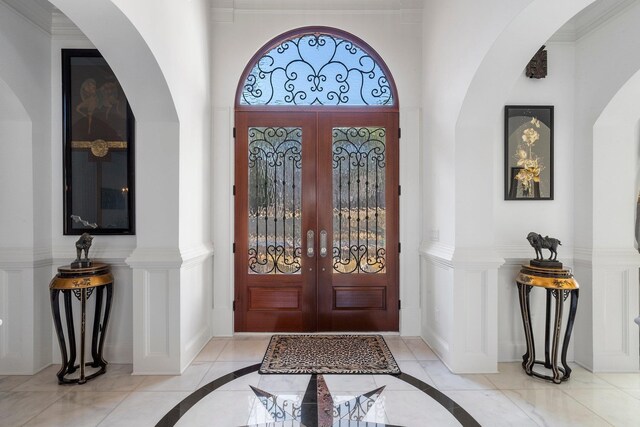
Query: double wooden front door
x=316, y=221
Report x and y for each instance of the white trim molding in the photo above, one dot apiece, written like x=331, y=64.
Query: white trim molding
x=172, y=293
x=606, y=338
x=459, y=302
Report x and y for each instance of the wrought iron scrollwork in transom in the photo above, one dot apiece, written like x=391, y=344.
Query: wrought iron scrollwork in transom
x=317, y=69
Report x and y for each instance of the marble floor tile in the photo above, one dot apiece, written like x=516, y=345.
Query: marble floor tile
x=414, y=408
x=78, y=408
x=634, y=393
x=583, y=379
x=340, y=383
x=219, y=369
x=420, y=350
x=622, y=380
x=188, y=381
x=9, y=382
x=445, y=380
x=398, y=348
x=511, y=376
x=212, y=350
x=615, y=406
x=143, y=409
x=283, y=383
x=491, y=408
x=45, y=380
x=553, y=407
x=221, y=408
x=117, y=378
x=409, y=367
x=17, y=408
x=247, y=350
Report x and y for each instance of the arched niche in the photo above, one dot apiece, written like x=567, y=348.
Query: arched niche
x=482, y=107
x=15, y=170
x=616, y=179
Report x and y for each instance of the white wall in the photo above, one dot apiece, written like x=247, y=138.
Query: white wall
x=237, y=35
x=25, y=336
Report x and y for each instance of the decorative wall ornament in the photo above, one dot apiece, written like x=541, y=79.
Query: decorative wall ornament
x=528, y=146
x=98, y=130
x=317, y=69
x=537, y=67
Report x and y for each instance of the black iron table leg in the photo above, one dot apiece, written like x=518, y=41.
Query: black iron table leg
x=529, y=357
x=547, y=331
x=567, y=333
x=57, y=322
x=105, y=321
x=71, y=332
x=96, y=329
x=557, y=327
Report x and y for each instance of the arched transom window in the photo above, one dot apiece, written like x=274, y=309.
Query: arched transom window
x=318, y=68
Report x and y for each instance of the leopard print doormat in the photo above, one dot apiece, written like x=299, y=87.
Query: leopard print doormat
x=328, y=354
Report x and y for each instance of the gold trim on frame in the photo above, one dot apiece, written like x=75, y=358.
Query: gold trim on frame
x=99, y=147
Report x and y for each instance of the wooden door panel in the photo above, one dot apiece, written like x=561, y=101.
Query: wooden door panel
x=274, y=288
x=358, y=280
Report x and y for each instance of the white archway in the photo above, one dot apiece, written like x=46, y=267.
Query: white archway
x=615, y=259
x=167, y=86
x=462, y=274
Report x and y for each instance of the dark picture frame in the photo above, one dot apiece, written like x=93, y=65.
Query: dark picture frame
x=98, y=138
x=528, y=152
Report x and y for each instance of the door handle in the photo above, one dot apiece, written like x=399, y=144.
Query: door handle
x=310, y=243
x=323, y=243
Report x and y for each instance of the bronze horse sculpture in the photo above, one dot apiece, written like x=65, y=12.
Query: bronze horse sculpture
x=539, y=243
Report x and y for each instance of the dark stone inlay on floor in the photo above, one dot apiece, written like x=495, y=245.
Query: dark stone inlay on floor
x=309, y=409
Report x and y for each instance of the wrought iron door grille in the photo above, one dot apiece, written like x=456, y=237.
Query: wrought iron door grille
x=359, y=212
x=275, y=166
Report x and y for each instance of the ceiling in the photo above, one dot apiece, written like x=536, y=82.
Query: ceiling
x=49, y=18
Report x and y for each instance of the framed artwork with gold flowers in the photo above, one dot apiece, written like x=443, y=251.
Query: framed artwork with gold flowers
x=528, y=152
x=98, y=132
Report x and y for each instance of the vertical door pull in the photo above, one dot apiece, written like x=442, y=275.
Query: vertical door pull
x=323, y=243
x=310, y=243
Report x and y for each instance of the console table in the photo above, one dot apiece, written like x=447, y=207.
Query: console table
x=559, y=284
x=81, y=283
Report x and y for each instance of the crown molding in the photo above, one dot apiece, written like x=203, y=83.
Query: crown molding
x=594, y=18
x=33, y=12
x=312, y=5
x=63, y=27
x=409, y=10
